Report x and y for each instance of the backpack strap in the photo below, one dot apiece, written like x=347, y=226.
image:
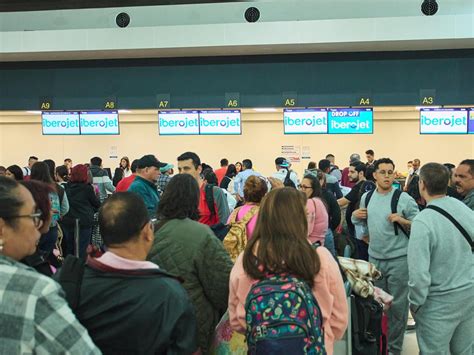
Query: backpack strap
x=70, y=278
x=249, y=215
x=233, y=216
x=455, y=222
x=393, y=205
x=368, y=197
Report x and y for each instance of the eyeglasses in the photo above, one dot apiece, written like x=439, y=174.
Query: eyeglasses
x=304, y=187
x=36, y=217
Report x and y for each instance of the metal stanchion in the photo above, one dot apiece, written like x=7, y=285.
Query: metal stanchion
x=76, y=238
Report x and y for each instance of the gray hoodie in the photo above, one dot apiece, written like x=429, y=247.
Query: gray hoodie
x=440, y=260
x=384, y=244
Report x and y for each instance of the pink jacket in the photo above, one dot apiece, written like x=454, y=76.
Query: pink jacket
x=328, y=290
x=317, y=220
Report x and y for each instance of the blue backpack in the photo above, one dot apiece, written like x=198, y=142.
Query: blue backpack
x=283, y=317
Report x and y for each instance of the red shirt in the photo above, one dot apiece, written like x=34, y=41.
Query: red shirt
x=220, y=173
x=205, y=214
x=124, y=184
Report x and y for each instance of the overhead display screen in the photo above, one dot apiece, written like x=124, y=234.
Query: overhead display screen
x=60, y=123
x=350, y=121
x=305, y=121
x=178, y=123
x=470, y=128
x=99, y=122
x=220, y=122
x=443, y=120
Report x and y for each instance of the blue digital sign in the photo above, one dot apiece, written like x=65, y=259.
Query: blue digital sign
x=350, y=121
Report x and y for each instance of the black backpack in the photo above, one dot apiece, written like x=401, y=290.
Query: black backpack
x=394, y=203
x=288, y=182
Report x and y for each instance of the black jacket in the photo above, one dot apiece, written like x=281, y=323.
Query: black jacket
x=334, y=211
x=135, y=311
x=83, y=203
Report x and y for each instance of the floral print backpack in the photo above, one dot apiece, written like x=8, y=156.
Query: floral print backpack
x=283, y=317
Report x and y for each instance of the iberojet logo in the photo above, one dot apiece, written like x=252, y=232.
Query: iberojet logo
x=443, y=121
x=219, y=122
x=350, y=121
x=179, y=122
x=60, y=123
x=305, y=121
x=99, y=122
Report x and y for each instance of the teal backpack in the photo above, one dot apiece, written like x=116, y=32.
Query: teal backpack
x=283, y=317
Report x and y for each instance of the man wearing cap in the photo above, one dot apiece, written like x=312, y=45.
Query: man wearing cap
x=283, y=167
x=345, y=181
x=165, y=177
x=144, y=183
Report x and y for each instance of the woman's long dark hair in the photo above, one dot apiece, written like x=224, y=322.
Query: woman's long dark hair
x=180, y=199
x=279, y=243
x=40, y=172
x=231, y=171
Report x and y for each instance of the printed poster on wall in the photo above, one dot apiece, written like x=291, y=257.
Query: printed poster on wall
x=292, y=153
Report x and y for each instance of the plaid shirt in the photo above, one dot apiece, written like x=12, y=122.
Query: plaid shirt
x=34, y=316
x=163, y=180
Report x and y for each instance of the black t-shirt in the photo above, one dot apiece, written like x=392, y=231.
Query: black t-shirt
x=354, y=197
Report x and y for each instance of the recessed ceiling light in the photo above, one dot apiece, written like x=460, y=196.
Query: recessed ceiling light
x=34, y=112
x=124, y=111
x=265, y=109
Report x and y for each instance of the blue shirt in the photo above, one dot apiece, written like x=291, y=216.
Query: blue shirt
x=241, y=178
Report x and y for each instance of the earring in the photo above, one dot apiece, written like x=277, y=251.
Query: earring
x=1, y=246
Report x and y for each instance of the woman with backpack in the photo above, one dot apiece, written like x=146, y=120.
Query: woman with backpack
x=255, y=189
x=279, y=251
x=40, y=171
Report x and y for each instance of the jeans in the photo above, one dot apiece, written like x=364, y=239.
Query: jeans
x=329, y=242
x=47, y=241
x=85, y=234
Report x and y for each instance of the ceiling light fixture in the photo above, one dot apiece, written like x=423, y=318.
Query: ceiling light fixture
x=265, y=109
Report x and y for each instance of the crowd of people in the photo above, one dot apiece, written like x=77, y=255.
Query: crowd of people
x=148, y=261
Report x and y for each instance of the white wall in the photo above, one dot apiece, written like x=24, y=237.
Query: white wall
x=395, y=135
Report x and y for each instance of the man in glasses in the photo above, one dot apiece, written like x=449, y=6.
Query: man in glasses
x=128, y=304
x=388, y=213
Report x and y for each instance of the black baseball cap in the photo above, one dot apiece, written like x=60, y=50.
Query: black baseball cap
x=149, y=160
